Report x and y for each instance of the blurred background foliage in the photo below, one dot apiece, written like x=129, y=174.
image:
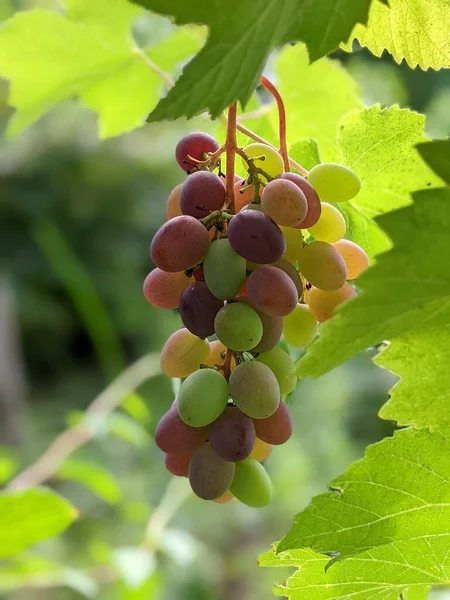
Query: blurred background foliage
x=77, y=217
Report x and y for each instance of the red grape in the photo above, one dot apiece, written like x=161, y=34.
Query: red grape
x=276, y=429
x=163, y=290
x=195, y=145
x=254, y=235
x=178, y=464
x=272, y=292
x=313, y=200
x=173, y=436
x=202, y=193
x=198, y=309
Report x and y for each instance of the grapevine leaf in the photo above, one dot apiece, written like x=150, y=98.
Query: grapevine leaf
x=88, y=52
x=437, y=155
x=398, y=493
x=93, y=477
x=28, y=517
x=363, y=230
x=305, y=152
x=240, y=41
x=413, y=30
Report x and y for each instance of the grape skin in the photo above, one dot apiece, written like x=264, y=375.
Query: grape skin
x=225, y=498
x=331, y=226
x=173, y=203
x=356, y=260
x=198, y=309
x=183, y=353
x=314, y=206
x=273, y=164
x=284, y=202
x=202, y=398
x=261, y=450
x=209, y=475
x=238, y=327
x=300, y=327
x=194, y=144
x=322, y=265
x=216, y=349
x=290, y=270
x=179, y=244
x=255, y=237
x=224, y=270
x=323, y=304
x=163, y=290
x=272, y=292
x=251, y=484
x=173, y=436
x=277, y=428
x=232, y=435
x=334, y=183
x=202, y=193
x=254, y=389
x=294, y=243
x=178, y=464
x=282, y=366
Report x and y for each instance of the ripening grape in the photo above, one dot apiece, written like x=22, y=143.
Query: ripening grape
x=300, y=327
x=331, y=226
x=183, y=353
x=163, y=290
x=272, y=164
x=198, y=309
x=322, y=265
x=282, y=366
x=225, y=498
x=272, y=292
x=254, y=236
x=194, y=144
x=294, y=243
x=209, y=475
x=179, y=244
x=251, y=484
x=217, y=355
x=323, y=304
x=272, y=330
x=173, y=436
x=178, y=464
x=173, y=203
x=202, y=398
x=276, y=429
x=356, y=260
x=284, y=202
x=261, y=450
x=238, y=327
x=232, y=435
x=290, y=270
x=201, y=193
x=254, y=389
x=224, y=270
x=334, y=183
x=243, y=198
x=312, y=199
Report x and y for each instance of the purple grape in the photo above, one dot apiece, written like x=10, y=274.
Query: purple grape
x=194, y=145
x=172, y=435
x=209, y=475
x=202, y=193
x=232, y=435
x=198, y=309
x=254, y=236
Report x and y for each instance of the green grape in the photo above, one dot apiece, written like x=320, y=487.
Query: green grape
x=251, y=484
x=300, y=327
x=255, y=389
x=294, y=243
x=322, y=265
x=273, y=163
x=282, y=366
x=334, y=183
x=202, y=398
x=331, y=225
x=356, y=260
x=183, y=353
x=323, y=304
x=224, y=270
x=238, y=327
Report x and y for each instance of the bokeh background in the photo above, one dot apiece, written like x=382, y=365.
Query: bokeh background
x=76, y=220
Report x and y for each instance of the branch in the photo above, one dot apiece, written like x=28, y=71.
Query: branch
x=230, y=145
x=70, y=440
x=281, y=118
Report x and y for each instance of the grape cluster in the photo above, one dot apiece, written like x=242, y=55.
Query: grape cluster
x=242, y=276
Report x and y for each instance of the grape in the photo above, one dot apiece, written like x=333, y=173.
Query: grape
x=300, y=327
x=163, y=290
x=314, y=206
x=183, y=353
x=251, y=484
x=238, y=327
x=243, y=291
x=294, y=243
x=334, y=183
x=209, y=475
x=272, y=330
x=194, y=145
x=284, y=202
x=276, y=429
x=202, y=398
x=254, y=389
x=273, y=163
x=323, y=304
x=290, y=270
x=173, y=203
x=322, y=265
x=224, y=270
x=225, y=498
x=244, y=198
x=216, y=349
x=272, y=292
x=202, y=192
x=256, y=237
x=282, y=366
x=356, y=260
x=198, y=309
x=261, y=450
x=331, y=226
x=175, y=437
x=232, y=435
x=179, y=244
x=178, y=464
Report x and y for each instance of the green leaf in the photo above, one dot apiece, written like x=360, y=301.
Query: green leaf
x=437, y=155
x=137, y=408
x=244, y=34
x=87, y=52
x=306, y=153
x=399, y=492
x=362, y=230
x=413, y=30
x=28, y=517
x=93, y=477
x=128, y=430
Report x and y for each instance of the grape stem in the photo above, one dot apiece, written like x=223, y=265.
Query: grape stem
x=230, y=145
x=281, y=120
x=227, y=364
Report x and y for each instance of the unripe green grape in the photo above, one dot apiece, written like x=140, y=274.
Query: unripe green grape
x=183, y=353
x=322, y=265
x=202, y=398
x=282, y=366
x=331, y=226
x=238, y=327
x=334, y=183
x=224, y=270
x=294, y=243
x=300, y=327
x=356, y=260
x=273, y=163
x=251, y=484
x=323, y=304
x=255, y=389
